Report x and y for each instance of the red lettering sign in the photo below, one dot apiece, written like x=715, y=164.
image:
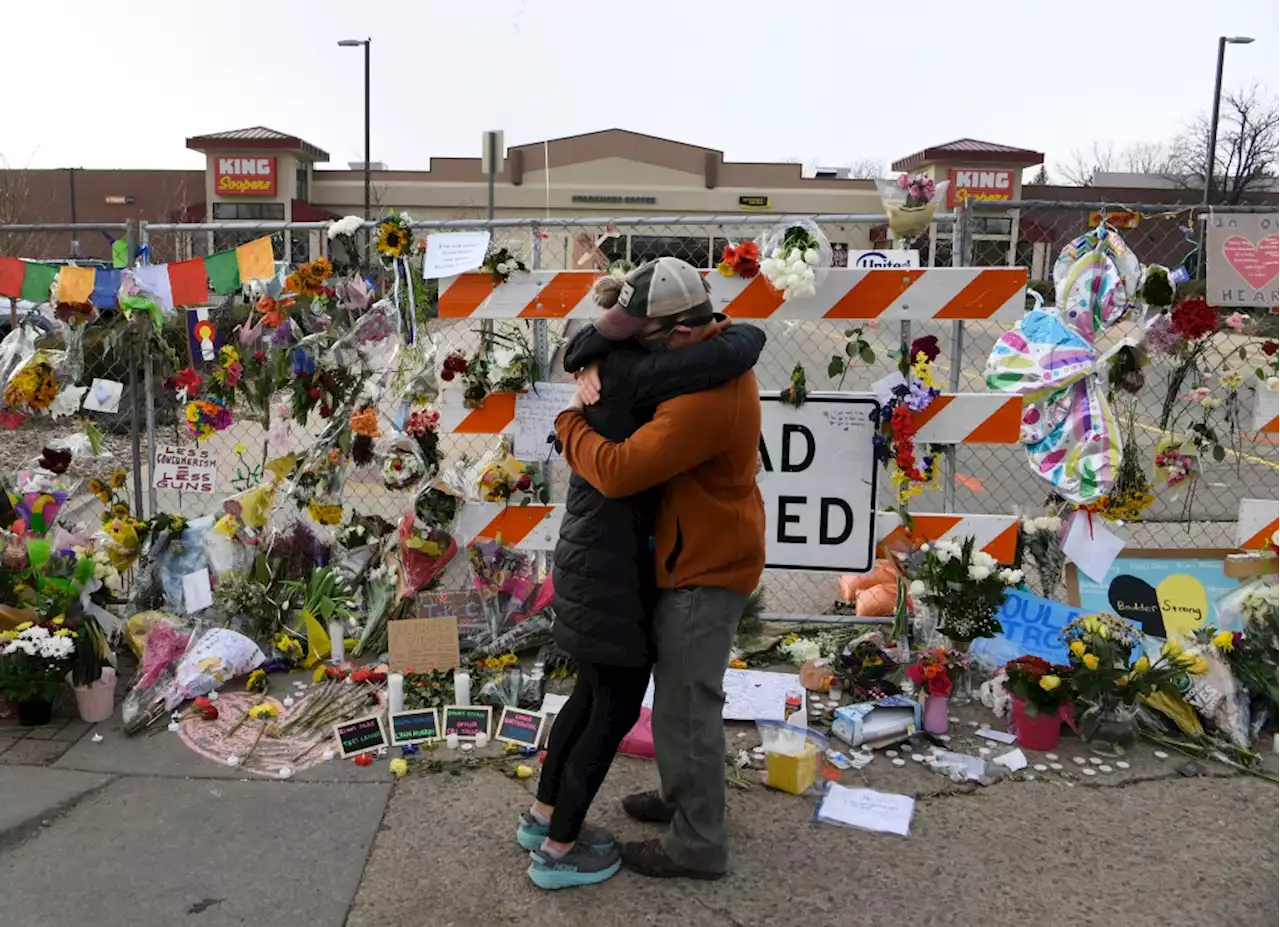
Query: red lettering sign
x=244, y=177
x=973, y=183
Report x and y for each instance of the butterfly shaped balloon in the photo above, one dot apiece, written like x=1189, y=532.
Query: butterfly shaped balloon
x=1051, y=360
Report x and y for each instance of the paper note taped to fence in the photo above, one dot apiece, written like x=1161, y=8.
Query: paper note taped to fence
x=186, y=469
x=535, y=422
x=452, y=253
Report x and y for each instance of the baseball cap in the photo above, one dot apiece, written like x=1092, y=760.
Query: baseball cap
x=666, y=288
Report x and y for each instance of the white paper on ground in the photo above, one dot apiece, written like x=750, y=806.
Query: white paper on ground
x=535, y=420
x=552, y=703
x=1014, y=760
x=866, y=809
x=196, y=591
x=1003, y=736
x=452, y=253
x=753, y=695
x=104, y=396
x=1091, y=545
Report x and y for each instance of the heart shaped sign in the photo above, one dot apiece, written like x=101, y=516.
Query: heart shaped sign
x=1134, y=599
x=1184, y=604
x=1257, y=264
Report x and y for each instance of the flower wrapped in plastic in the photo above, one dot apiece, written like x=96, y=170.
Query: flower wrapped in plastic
x=796, y=257
x=423, y=553
x=1051, y=360
x=402, y=465
x=34, y=384
x=910, y=202
x=75, y=317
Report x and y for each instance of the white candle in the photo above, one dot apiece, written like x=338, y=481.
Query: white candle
x=395, y=692
x=462, y=688
x=451, y=741
x=482, y=740
x=335, y=641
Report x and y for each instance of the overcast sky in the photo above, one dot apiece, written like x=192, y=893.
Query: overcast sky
x=827, y=81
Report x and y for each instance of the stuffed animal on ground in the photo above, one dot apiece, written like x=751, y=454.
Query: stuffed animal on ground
x=874, y=594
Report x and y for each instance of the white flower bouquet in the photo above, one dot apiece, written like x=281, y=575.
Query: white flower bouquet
x=34, y=661
x=910, y=202
x=1041, y=544
x=965, y=586
x=796, y=255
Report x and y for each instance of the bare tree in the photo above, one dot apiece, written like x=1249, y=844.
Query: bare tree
x=1041, y=176
x=1247, y=150
x=866, y=168
x=1104, y=157
x=17, y=206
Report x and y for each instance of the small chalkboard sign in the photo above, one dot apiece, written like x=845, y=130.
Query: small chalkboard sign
x=361, y=735
x=467, y=720
x=414, y=727
x=520, y=727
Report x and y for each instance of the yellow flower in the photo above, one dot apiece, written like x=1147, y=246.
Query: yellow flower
x=1091, y=624
x=23, y=626
x=1142, y=665
x=1123, y=680
x=62, y=632
x=1090, y=660
x=239, y=450
x=325, y=514
x=257, y=681
x=96, y=487
x=118, y=479
x=263, y=711
x=1224, y=640
x=725, y=268
x=1171, y=649
x=1077, y=647
x=510, y=659
x=492, y=663
x=59, y=620
x=8, y=635
x=737, y=663
x=1198, y=666
x=398, y=767
x=1049, y=683
x=318, y=674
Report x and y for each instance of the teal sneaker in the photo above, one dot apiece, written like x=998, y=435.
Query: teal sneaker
x=582, y=865
x=530, y=834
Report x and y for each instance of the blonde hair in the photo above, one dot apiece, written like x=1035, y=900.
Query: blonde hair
x=607, y=290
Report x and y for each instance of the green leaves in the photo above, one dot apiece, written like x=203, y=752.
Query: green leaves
x=1219, y=453
x=837, y=366
x=856, y=348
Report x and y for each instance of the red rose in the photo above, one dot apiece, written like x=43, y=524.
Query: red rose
x=209, y=713
x=748, y=269
x=260, y=356
x=314, y=392
x=1269, y=348
x=524, y=483
x=325, y=411
x=201, y=702
x=940, y=685
x=446, y=375
x=1194, y=318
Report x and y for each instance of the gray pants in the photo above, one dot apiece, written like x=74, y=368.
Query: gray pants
x=693, y=629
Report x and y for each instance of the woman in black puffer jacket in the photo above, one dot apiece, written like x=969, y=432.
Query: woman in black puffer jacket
x=604, y=583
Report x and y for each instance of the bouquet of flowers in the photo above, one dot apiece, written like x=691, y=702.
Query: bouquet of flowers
x=936, y=671
x=504, y=362
x=505, y=579
x=1041, y=542
x=910, y=202
x=1042, y=686
x=206, y=418
x=379, y=595
x=76, y=317
x=423, y=554
x=1252, y=653
x=797, y=253
x=741, y=260
x=401, y=466
x=913, y=391
x=501, y=264
x=395, y=238
x=423, y=427
x=965, y=586
x=864, y=667
x=34, y=660
x=1184, y=336
x=344, y=230
x=33, y=387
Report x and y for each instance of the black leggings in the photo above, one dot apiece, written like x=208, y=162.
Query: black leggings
x=601, y=711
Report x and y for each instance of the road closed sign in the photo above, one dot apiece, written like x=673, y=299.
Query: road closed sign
x=818, y=479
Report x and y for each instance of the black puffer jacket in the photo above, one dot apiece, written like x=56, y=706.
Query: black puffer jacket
x=603, y=569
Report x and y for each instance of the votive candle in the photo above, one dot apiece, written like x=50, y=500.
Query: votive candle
x=395, y=692
x=482, y=740
x=462, y=688
x=335, y=641
x=451, y=741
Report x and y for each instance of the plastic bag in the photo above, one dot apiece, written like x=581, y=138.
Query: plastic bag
x=18, y=347
x=505, y=579
x=1247, y=600
x=639, y=740
x=218, y=656
x=373, y=342
x=81, y=447
x=910, y=202
x=796, y=256
x=226, y=553
x=180, y=557
x=792, y=754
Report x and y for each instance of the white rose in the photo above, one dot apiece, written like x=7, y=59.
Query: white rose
x=767, y=267
x=797, y=268
x=979, y=573
x=1049, y=523
x=982, y=558
x=917, y=587
x=942, y=553
x=783, y=280
x=1015, y=577
x=1029, y=525
x=778, y=254
x=812, y=256
x=796, y=255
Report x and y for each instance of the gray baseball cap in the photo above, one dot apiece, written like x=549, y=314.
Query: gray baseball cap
x=667, y=288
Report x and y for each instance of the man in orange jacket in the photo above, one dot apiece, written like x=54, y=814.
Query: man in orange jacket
x=709, y=549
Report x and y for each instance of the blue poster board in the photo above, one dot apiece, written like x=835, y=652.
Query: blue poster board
x=1173, y=595
x=1031, y=626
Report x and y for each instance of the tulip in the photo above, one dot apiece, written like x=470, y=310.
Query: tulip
x=1224, y=640
x=1142, y=665
x=778, y=254
x=1077, y=648
x=1171, y=649
x=1049, y=683
x=1090, y=660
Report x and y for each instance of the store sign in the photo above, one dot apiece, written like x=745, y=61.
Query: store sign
x=1117, y=220
x=119, y=200
x=872, y=260
x=1244, y=260
x=244, y=177
x=818, y=479
x=186, y=469
x=753, y=202
x=615, y=200
x=973, y=184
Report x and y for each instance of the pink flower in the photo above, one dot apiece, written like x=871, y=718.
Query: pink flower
x=1235, y=320
x=1199, y=393
x=872, y=324
x=903, y=181
x=234, y=372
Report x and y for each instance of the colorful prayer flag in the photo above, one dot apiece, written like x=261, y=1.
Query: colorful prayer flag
x=188, y=283
x=154, y=279
x=75, y=284
x=256, y=260
x=223, y=271
x=12, y=271
x=106, y=289
x=37, y=284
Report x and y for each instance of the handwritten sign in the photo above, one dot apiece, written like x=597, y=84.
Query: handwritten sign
x=421, y=644
x=465, y=607
x=467, y=720
x=520, y=727
x=414, y=727
x=1031, y=626
x=452, y=253
x=1244, y=260
x=186, y=469
x=535, y=420
x=362, y=735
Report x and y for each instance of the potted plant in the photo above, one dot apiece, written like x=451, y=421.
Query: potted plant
x=1041, y=696
x=934, y=675
x=92, y=675
x=1108, y=683
x=35, y=658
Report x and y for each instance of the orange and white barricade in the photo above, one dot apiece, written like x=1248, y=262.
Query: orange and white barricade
x=888, y=294
x=1258, y=522
x=524, y=527
x=997, y=535
x=1266, y=411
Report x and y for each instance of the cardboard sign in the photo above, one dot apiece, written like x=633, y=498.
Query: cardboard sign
x=362, y=735
x=244, y=177
x=978, y=184
x=414, y=727
x=520, y=727
x=1244, y=260
x=186, y=469
x=1166, y=593
x=421, y=644
x=818, y=480
x=466, y=607
x=467, y=720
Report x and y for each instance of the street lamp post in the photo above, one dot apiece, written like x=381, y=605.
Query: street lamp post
x=368, y=182
x=1211, y=157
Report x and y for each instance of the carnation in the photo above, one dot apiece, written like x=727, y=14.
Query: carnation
x=347, y=225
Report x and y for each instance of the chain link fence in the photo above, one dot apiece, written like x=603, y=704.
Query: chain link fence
x=978, y=479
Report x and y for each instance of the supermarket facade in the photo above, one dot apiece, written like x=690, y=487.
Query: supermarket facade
x=259, y=174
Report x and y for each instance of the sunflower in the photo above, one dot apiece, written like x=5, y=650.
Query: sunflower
x=117, y=481
x=394, y=241
x=96, y=488
x=120, y=510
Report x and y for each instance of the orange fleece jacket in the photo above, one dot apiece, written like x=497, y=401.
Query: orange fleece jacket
x=703, y=449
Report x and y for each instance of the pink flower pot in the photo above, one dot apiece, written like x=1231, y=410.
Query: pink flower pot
x=97, y=701
x=1036, y=732
x=936, y=720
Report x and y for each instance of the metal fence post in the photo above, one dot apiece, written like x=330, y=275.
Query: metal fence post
x=959, y=233
x=135, y=443
x=148, y=380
